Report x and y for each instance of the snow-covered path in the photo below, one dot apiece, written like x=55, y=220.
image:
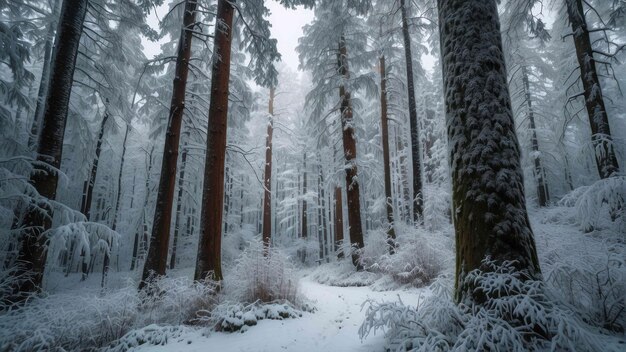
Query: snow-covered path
x=333, y=327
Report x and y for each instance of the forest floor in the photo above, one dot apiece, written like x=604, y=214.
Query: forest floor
x=332, y=327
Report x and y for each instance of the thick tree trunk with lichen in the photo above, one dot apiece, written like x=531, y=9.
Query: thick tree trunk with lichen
x=490, y=218
x=209, y=258
x=601, y=139
x=349, y=149
x=156, y=261
x=44, y=178
x=418, y=202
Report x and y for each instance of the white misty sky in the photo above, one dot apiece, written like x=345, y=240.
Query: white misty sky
x=286, y=28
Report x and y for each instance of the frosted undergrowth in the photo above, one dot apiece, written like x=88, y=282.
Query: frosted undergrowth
x=527, y=318
x=421, y=255
x=580, y=305
x=90, y=319
x=601, y=205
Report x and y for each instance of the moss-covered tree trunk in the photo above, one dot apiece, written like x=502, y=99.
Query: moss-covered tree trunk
x=490, y=218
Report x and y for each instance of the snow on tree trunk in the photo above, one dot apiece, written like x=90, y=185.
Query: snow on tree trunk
x=490, y=218
x=267, y=176
x=156, y=260
x=210, y=243
x=44, y=80
x=349, y=150
x=601, y=139
x=338, y=222
x=44, y=178
x=384, y=132
x=538, y=171
x=418, y=202
x=118, y=195
x=179, y=203
x=304, y=234
x=88, y=195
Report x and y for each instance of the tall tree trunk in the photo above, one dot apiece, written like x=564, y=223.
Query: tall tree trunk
x=156, y=261
x=538, y=171
x=88, y=194
x=179, y=205
x=118, y=195
x=320, y=212
x=44, y=80
x=142, y=229
x=44, y=178
x=349, y=150
x=304, y=233
x=210, y=244
x=601, y=139
x=267, y=176
x=418, y=202
x=338, y=223
x=384, y=132
x=490, y=217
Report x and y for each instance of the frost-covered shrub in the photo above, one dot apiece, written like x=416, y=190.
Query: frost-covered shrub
x=419, y=258
x=232, y=317
x=89, y=319
x=262, y=274
x=69, y=321
x=517, y=316
x=603, y=204
x=179, y=300
x=152, y=334
x=596, y=291
x=437, y=213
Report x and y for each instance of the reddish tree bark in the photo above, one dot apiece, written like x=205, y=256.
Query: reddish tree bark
x=210, y=243
x=267, y=176
x=349, y=150
x=156, y=260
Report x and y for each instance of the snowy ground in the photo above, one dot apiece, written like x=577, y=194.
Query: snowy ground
x=333, y=327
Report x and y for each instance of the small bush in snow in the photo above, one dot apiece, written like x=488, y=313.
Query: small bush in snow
x=262, y=274
x=524, y=319
x=603, y=204
x=418, y=259
x=232, y=317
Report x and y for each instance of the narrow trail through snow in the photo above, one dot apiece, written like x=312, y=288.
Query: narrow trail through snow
x=333, y=327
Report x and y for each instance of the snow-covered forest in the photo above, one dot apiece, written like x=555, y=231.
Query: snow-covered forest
x=312, y=175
